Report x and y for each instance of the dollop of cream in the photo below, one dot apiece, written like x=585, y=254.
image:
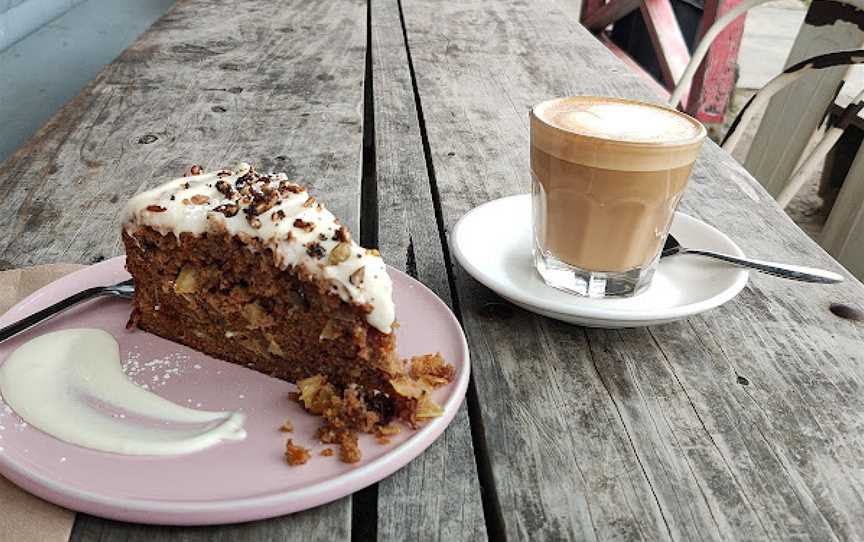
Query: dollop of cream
x=70, y=384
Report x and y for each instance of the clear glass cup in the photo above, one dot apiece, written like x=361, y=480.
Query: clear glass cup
x=607, y=175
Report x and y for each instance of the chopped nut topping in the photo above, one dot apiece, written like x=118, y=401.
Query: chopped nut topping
x=228, y=209
x=342, y=234
x=225, y=188
x=255, y=222
x=327, y=452
x=248, y=178
x=262, y=207
x=186, y=201
x=373, y=252
x=340, y=253
x=315, y=250
x=196, y=170
x=262, y=200
x=309, y=202
x=296, y=455
x=287, y=186
x=278, y=216
x=303, y=225
x=287, y=427
x=156, y=209
x=356, y=278
x=200, y=199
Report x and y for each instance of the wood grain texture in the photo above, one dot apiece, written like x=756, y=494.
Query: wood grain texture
x=745, y=422
x=437, y=495
x=843, y=236
x=322, y=524
x=279, y=84
x=608, y=13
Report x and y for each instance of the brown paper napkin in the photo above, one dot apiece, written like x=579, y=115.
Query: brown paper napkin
x=23, y=517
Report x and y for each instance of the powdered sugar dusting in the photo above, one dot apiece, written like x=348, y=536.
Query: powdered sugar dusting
x=155, y=373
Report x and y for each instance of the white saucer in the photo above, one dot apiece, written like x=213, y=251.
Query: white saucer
x=493, y=243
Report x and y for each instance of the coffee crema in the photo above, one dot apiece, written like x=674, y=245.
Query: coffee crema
x=607, y=176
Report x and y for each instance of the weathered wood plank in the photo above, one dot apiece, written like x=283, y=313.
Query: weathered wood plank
x=436, y=496
x=274, y=82
x=322, y=524
x=843, y=236
x=279, y=84
x=742, y=423
x=608, y=13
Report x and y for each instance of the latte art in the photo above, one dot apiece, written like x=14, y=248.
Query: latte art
x=619, y=121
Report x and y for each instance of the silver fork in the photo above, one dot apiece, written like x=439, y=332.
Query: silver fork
x=793, y=272
x=123, y=289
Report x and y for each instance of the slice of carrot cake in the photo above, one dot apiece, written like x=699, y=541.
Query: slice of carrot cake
x=251, y=269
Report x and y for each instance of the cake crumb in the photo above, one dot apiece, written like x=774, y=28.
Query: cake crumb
x=287, y=427
x=296, y=455
x=387, y=430
x=349, y=450
x=327, y=452
x=432, y=370
x=354, y=409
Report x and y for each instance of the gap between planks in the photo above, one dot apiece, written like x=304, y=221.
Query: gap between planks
x=489, y=496
x=364, y=503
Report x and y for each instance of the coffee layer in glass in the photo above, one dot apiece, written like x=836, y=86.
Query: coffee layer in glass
x=607, y=175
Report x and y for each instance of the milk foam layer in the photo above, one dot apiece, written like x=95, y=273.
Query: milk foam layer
x=618, y=120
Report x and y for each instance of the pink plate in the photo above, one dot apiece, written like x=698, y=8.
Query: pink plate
x=231, y=482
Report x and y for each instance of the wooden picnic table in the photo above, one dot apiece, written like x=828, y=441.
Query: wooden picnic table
x=745, y=422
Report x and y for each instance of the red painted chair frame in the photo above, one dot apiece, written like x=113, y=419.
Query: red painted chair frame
x=714, y=82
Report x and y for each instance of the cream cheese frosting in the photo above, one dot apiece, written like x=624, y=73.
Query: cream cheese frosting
x=301, y=232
